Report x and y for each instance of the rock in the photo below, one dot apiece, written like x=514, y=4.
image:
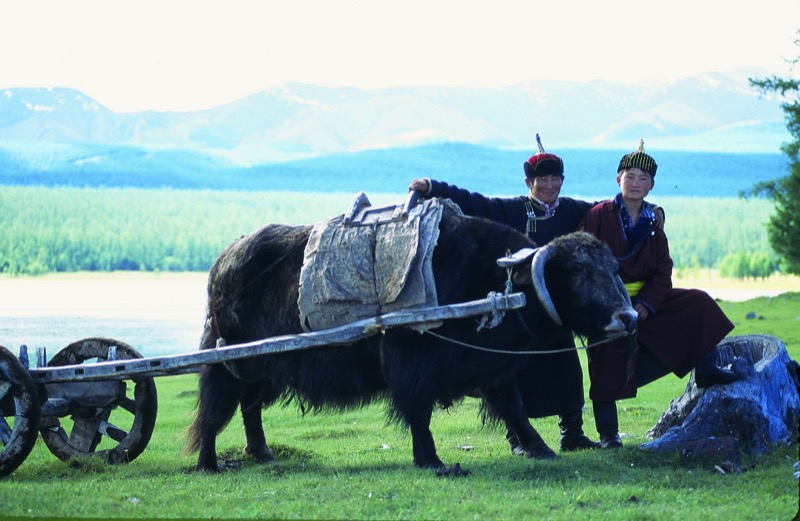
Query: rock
x=712, y=450
x=761, y=408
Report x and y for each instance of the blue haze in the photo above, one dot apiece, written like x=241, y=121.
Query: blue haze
x=487, y=170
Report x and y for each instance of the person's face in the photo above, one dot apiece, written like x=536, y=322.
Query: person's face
x=545, y=187
x=635, y=183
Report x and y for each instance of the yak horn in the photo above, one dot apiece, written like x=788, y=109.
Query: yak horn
x=537, y=273
x=623, y=289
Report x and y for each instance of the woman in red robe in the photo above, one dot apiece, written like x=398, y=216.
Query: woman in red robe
x=678, y=329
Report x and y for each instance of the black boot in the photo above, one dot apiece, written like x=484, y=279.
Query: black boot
x=708, y=373
x=605, y=418
x=572, y=437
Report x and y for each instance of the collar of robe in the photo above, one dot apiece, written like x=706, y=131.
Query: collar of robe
x=635, y=234
x=547, y=211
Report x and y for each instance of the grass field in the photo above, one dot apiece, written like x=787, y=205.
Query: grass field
x=353, y=466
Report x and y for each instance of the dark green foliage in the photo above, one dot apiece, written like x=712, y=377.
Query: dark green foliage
x=784, y=226
x=70, y=229
x=177, y=209
x=742, y=265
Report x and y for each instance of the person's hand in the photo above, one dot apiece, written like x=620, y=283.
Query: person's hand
x=420, y=185
x=641, y=310
x=661, y=217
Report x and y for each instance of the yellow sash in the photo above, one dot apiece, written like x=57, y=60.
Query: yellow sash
x=634, y=287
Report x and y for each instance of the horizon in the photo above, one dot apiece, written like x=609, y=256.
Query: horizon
x=185, y=56
x=741, y=73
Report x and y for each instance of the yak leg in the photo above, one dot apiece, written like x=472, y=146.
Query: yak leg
x=254, y=397
x=416, y=414
x=220, y=392
x=410, y=382
x=505, y=402
x=424, y=448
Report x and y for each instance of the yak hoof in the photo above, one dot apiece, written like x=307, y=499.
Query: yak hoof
x=543, y=452
x=269, y=458
x=262, y=455
x=452, y=472
x=433, y=465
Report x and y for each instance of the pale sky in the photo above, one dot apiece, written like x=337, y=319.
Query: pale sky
x=195, y=54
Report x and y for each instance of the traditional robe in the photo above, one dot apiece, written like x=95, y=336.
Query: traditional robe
x=683, y=324
x=550, y=384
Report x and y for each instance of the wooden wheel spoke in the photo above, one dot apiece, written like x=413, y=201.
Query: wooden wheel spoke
x=5, y=431
x=112, y=431
x=91, y=421
x=128, y=404
x=85, y=434
x=16, y=385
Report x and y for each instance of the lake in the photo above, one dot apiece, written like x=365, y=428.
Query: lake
x=156, y=314
x=163, y=313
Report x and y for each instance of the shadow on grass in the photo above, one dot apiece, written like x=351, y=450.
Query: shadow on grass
x=628, y=465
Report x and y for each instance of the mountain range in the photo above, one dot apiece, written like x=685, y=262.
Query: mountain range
x=715, y=112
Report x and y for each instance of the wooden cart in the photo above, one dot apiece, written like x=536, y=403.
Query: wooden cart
x=88, y=381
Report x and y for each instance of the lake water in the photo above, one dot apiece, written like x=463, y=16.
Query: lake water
x=160, y=314
x=155, y=314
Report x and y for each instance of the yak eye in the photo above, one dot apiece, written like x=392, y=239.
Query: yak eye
x=578, y=269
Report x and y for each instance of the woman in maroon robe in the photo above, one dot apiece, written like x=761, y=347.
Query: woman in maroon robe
x=678, y=328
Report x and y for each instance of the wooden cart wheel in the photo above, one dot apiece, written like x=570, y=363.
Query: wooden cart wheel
x=19, y=412
x=126, y=425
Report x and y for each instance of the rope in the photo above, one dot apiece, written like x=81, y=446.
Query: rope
x=537, y=352
x=497, y=317
x=496, y=314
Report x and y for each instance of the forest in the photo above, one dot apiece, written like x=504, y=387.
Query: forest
x=64, y=229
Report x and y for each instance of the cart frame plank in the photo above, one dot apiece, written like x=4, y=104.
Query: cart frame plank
x=342, y=335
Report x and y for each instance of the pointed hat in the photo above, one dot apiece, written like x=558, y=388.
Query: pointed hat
x=543, y=163
x=638, y=159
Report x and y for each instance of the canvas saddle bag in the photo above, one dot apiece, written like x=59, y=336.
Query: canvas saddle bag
x=368, y=262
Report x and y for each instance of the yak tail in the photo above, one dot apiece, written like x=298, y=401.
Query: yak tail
x=220, y=391
x=193, y=431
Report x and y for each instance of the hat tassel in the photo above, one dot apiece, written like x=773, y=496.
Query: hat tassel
x=539, y=144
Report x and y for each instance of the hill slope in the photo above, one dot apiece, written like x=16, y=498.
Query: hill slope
x=713, y=112
x=482, y=169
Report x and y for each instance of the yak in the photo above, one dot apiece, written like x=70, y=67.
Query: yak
x=253, y=294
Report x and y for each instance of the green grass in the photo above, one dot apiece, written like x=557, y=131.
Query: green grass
x=778, y=316
x=353, y=466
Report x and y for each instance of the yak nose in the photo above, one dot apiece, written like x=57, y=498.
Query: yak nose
x=629, y=319
x=625, y=320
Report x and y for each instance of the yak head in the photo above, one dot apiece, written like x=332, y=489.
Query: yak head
x=576, y=282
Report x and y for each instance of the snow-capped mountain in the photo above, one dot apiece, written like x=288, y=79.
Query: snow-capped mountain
x=714, y=112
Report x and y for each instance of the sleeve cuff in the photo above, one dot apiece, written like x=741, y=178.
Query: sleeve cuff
x=430, y=186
